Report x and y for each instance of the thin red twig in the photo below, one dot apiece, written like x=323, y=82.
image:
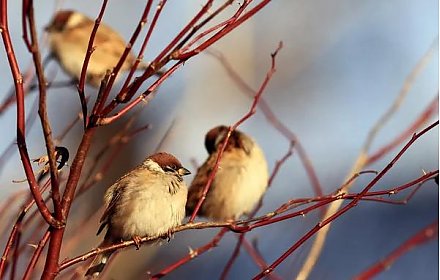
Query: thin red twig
x=248, y=225
x=239, y=19
x=52, y=257
x=15, y=255
x=143, y=97
x=279, y=163
x=42, y=109
x=427, y=234
x=233, y=257
x=144, y=43
x=30, y=268
x=162, y=58
x=431, y=110
x=114, y=147
x=21, y=139
x=275, y=121
x=192, y=254
x=184, y=46
x=172, y=51
x=257, y=257
x=90, y=49
x=241, y=237
x=344, y=209
x=369, y=196
x=233, y=127
x=124, y=55
x=13, y=236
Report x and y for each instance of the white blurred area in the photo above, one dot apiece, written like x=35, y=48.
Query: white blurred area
x=342, y=65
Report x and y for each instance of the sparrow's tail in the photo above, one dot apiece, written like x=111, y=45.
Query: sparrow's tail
x=99, y=262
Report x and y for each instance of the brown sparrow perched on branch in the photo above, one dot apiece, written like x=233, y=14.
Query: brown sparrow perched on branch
x=240, y=181
x=69, y=34
x=147, y=201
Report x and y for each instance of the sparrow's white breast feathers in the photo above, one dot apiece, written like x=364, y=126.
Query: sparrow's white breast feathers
x=146, y=206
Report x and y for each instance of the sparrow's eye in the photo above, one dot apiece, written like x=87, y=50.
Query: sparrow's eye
x=169, y=169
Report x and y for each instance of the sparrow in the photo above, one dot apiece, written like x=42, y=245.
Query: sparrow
x=147, y=201
x=69, y=34
x=240, y=181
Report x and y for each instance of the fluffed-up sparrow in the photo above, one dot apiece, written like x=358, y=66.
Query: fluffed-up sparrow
x=147, y=201
x=240, y=181
x=69, y=34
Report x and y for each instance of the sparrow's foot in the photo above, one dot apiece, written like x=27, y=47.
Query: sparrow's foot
x=169, y=235
x=137, y=241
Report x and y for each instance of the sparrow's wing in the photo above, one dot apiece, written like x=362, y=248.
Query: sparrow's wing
x=110, y=46
x=110, y=206
x=195, y=191
x=113, y=196
x=105, y=37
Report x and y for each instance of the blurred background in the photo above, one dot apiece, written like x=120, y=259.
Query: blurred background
x=342, y=65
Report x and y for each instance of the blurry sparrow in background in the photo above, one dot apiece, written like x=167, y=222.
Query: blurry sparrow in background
x=147, y=201
x=240, y=181
x=69, y=34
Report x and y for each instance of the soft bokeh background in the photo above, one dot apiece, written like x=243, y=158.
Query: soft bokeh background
x=342, y=65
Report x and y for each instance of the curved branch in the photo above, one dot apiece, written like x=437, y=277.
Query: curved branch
x=42, y=109
x=344, y=209
x=425, y=235
x=251, y=112
x=21, y=138
x=363, y=159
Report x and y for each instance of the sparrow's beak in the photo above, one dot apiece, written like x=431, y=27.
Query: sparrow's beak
x=183, y=171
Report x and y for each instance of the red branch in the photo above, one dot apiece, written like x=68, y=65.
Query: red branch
x=53, y=253
x=258, y=259
x=90, y=49
x=143, y=47
x=192, y=254
x=161, y=59
x=233, y=257
x=181, y=47
x=124, y=55
x=239, y=19
x=21, y=140
x=142, y=97
x=241, y=237
x=36, y=255
x=173, y=51
x=430, y=110
x=279, y=163
x=343, y=210
x=425, y=235
x=233, y=127
x=243, y=226
x=42, y=109
x=16, y=231
x=276, y=123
